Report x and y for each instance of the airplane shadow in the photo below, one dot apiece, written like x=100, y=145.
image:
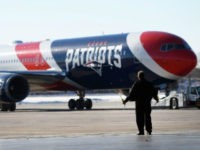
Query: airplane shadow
x=67, y=110
x=92, y=110
x=85, y=110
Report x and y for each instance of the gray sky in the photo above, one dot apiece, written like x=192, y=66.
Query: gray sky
x=33, y=20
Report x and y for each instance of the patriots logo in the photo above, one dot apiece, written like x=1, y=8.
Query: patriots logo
x=96, y=66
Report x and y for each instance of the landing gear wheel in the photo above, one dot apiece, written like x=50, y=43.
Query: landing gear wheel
x=88, y=104
x=8, y=107
x=80, y=104
x=174, y=103
x=72, y=104
x=4, y=107
x=12, y=107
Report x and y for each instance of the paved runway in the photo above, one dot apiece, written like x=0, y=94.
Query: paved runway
x=52, y=127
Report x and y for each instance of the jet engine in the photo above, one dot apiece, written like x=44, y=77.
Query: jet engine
x=13, y=88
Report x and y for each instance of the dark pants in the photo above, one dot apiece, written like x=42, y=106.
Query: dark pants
x=143, y=117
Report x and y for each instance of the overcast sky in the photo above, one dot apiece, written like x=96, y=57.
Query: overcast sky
x=33, y=20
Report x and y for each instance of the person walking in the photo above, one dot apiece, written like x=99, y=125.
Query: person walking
x=142, y=93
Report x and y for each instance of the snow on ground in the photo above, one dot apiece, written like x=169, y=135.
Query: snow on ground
x=111, y=97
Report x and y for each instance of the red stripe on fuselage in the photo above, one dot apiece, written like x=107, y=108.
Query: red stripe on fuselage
x=30, y=56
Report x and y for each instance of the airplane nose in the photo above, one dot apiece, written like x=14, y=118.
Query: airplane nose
x=170, y=52
x=181, y=63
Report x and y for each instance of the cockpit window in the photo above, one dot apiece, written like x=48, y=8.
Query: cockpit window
x=172, y=46
x=167, y=47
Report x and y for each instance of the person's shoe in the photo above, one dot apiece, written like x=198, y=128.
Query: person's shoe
x=149, y=133
x=140, y=133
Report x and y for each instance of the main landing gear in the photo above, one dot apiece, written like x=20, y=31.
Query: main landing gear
x=80, y=103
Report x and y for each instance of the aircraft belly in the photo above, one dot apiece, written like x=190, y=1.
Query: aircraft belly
x=43, y=83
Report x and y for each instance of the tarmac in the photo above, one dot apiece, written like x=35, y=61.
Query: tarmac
x=109, y=126
x=105, y=142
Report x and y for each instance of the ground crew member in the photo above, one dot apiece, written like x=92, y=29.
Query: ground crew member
x=142, y=92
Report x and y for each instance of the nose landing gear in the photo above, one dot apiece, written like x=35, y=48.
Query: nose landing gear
x=80, y=103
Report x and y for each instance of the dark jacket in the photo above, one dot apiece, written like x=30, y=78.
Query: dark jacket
x=142, y=92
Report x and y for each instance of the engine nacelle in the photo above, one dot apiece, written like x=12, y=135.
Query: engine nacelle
x=13, y=88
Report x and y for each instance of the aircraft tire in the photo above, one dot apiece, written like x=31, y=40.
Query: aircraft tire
x=174, y=103
x=4, y=107
x=80, y=104
x=72, y=104
x=88, y=104
x=12, y=107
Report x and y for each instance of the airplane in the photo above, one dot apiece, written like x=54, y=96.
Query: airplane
x=86, y=63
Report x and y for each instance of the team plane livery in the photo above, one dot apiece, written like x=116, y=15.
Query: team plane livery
x=100, y=62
